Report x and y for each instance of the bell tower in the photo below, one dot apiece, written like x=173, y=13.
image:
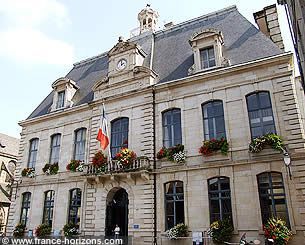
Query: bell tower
x=148, y=19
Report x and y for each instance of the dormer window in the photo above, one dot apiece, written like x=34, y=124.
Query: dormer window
x=60, y=100
x=207, y=57
x=64, y=90
x=207, y=46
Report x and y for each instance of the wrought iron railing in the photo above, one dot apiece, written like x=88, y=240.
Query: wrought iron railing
x=115, y=167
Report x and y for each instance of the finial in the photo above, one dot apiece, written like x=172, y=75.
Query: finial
x=148, y=5
x=121, y=39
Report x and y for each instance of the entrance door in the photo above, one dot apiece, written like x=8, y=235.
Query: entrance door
x=117, y=213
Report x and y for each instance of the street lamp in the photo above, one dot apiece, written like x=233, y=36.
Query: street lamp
x=287, y=161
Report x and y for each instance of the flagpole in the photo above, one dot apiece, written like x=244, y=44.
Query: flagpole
x=110, y=158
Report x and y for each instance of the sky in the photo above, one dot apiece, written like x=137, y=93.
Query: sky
x=41, y=39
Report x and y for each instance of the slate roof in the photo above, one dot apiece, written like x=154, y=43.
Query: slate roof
x=172, y=54
x=11, y=145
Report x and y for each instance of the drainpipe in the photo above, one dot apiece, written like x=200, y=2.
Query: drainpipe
x=155, y=165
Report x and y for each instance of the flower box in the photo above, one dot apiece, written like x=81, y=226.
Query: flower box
x=173, y=154
x=50, y=169
x=75, y=166
x=125, y=158
x=211, y=146
x=266, y=141
x=28, y=172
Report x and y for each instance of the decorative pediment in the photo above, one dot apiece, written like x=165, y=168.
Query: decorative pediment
x=206, y=33
x=123, y=46
x=63, y=81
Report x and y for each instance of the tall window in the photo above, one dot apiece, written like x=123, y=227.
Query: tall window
x=60, y=99
x=207, y=58
x=213, y=120
x=80, y=144
x=74, y=206
x=272, y=196
x=119, y=134
x=171, y=122
x=260, y=114
x=33, y=153
x=174, y=203
x=25, y=207
x=48, y=207
x=55, y=147
x=220, y=198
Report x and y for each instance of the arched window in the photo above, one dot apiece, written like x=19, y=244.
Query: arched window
x=33, y=153
x=75, y=206
x=55, y=148
x=144, y=22
x=260, y=114
x=171, y=124
x=119, y=134
x=48, y=208
x=80, y=144
x=272, y=196
x=213, y=120
x=174, y=203
x=25, y=207
x=220, y=199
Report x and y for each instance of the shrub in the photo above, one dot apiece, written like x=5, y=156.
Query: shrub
x=213, y=145
x=221, y=231
x=50, y=169
x=180, y=230
x=277, y=230
x=70, y=229
x=19, y=230
x=43, y=230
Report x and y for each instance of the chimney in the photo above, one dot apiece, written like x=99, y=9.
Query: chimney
x=267, y=21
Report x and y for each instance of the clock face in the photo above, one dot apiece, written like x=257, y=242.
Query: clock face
x=122, y=63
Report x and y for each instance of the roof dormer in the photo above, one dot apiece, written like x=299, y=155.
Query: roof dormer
x=64, y=90
x=207, y=46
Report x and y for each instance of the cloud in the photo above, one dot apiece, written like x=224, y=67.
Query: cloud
x=23, y=37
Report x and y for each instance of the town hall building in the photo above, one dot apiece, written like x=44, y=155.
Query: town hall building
x=215, y=78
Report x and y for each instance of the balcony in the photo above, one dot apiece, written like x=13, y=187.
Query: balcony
x=139, y=168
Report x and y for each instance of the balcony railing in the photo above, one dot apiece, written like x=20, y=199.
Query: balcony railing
x=115, y=167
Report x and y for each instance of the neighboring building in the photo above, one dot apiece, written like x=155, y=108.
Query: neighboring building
x=295, y=11
x=8, y=158
x=215, y=76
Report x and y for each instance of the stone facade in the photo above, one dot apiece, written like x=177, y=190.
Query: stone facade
x=136, y=92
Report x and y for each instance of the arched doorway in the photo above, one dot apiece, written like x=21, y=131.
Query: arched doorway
x=117, y=212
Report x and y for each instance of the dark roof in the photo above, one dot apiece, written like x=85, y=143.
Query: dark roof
x=172, y=55
x=9, y=145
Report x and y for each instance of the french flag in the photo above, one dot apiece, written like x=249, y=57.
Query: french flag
x=102, y=135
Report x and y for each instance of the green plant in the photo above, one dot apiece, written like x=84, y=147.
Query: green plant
x=180, y=230
x=43, y=230
x=19, y=230
x=70, y=229
x=99, y=159
x=28, y=172
x=50, y=169
x=75, y=166
x=125, y=157
x=221, y=231
x=277, y=230
x=213, y=145
x=174, y=154
x=259, y=143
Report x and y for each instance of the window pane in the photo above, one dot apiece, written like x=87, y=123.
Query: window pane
x=220, y=198
x=119, y=135
x=80, y=144
x=213, y=117
x=172, y=134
